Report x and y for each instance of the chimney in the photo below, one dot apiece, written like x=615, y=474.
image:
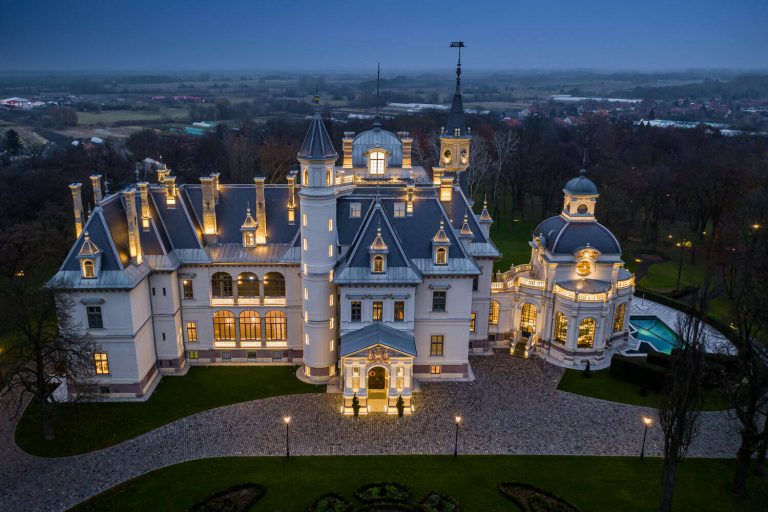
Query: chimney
x=209, y=210
x=292, y=197
x=77, y=200
x=134, y=238
x=261, y=211
x=170, y=191
x=346, y=143
x=409, y=205
x=162, y=173
x=144, y=195
x=446, y=189
x=437, y=175
x=407, y=141
x=215, y=176
x=96, y=182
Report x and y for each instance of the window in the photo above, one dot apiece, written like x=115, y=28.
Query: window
x=436, y=345
x=223, y=326
x=330, y=250
x=528, y=318
x=304, y=220
x=435, y=370
x=247, y=285
x=187, y=289
x=248, y=239
x=330, y=225
x=221, y=284
x=378, y=311
x=472, y=318
x=327, y=178
x=274, y=284
x=94, y=317
x=101, y=361
x=400, y=379
x=586, y=333
x=193, y=354
x=291, y=216
x=304, y=244
x=376, y=162
x=354, y=210
x=399, y=210
x=357, y=311
x=378, y=264
x=306, y=178
x=276, y=325
x=330, y=300
x=250, y=325
x=474, y=284
x=441, y=256
x=89, y=270
x=618, y=318
x=191, y=332
x=584, y=268
x=226, y=356
x=582, y=209
x=493, y=313
x=399, y=314
x=561, y=327
x=251, y=355
x=438, y=301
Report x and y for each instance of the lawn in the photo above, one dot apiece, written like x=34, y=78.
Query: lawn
x=86, y=427
x=109, y=117
x=602, y=385
x=589, y=483
x=512, y=240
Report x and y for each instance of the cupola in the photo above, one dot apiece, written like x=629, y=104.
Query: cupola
x=249, y=229
x=90, y=258
x=440, y=246
x=580, y=198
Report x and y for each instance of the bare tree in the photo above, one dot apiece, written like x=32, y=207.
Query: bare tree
x=677, y=416
x=505, y=143
x=479, y=163
x=47, y=347
x=242, y=158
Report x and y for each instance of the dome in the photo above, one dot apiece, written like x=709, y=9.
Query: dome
x=581, y=185
x=563, y=237
x=377, y=138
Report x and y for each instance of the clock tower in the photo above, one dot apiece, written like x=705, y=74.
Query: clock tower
x=455, y=136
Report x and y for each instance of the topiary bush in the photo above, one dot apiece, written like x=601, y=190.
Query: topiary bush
x=532, y=499
x=436, y=502
x=331, y=502
x=383, y=492
x=235, y=499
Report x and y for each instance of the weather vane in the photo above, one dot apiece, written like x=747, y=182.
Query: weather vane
x=459, y=45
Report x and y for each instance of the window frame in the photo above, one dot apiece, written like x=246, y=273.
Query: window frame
x=187, y=289
x=399, y=210
x=439, y=301
x=377, y=307
x=250, y=325
x=355, y=311
x=191, y=329
x=224, y=325
x=398, y=311
x=275, y=326
x=101, y=363
x=437, y=345
x=95, y=317
x=493, y=312
x=355, y=210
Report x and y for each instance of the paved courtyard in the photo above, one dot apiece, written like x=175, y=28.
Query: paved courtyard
x=513, y=407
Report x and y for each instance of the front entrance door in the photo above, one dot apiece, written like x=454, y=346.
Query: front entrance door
x=377, y=388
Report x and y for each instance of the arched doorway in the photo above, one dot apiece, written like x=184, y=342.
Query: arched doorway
x=378, y=382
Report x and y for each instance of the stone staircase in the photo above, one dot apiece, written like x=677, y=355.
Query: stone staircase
x=518, y=350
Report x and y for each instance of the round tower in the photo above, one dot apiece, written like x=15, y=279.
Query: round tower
x=317, y=199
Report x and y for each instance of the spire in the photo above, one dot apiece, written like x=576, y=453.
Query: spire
x=377, y=117
x=249, y=222
x=456, y=125
x=88, y=248
x=465, y=229
x=378, y=243
x=484, y=215
x=317, y=144
x=440, y=237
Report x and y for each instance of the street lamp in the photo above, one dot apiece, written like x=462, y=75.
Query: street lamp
x=456, y=439
x=647, y=420
x=685, y=244
x=287, y=420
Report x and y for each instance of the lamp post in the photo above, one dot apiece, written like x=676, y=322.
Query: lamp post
x=456, y=438
x=287, y=420
x=685, y=244
x=647, y=420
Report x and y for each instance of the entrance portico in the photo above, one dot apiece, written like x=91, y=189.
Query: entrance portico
x=377, y=367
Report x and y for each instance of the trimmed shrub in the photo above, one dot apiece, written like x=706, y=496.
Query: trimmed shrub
x=638, y=371
x=331, y=502
x=355, y=405
x=235, y=499
x=383, y=492
x=659, y=359
x=436, y=502
x=400, y=406
x=384, y=506
x=532, y=499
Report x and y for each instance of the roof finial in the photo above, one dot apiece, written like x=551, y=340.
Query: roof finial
x=378, y=85
x=316, y=99
x=459, y=45
x=584, y=157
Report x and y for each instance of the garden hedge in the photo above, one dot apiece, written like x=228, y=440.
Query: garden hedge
x=638, y=371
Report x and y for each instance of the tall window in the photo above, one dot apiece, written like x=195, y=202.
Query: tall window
x=357, y=311
x=436, y=344
x=247, y=285
x=250, y=325
x=378, y=264
x=438, y=301
x=95, y=320
x=618, y=318
x=528, y=318
x=376, y=162
x=399, y=313
x=89, y=271
x=223, y=325
x=101, y=361
x=472, y=318
x=441, y=256
x=327, y=178
x=378, y=311
x=274, y=284
x=586, y=333
x=306, y=178
x=561, y=327
x=191, y=332
x=221, y=284
x=249, y=240
x=189, y=292
x=493, y=313
x=275, y=325
x=354, y=210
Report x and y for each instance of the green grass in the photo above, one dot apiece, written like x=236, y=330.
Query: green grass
x=602, y=385
x=108, y=117
x=662, y=277
x=590, y=483
x=89, y=426
x=512, y=240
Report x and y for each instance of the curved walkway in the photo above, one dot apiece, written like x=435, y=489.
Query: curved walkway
x=513, y=407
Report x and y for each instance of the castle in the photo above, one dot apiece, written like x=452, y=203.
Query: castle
x=369, y=275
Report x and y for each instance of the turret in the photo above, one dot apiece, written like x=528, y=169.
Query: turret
x=580, y=198
x=456, y=136
x=485, y=220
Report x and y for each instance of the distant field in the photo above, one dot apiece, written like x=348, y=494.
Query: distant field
x=115, y=116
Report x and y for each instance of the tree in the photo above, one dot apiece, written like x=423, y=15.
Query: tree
x=505, y=143
x=47, y=347
x=13, y=143
x=479, y=163
x=677, y=416
x=355, y=405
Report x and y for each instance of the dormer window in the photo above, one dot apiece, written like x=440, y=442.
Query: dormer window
x=354, y=210
x=582, y=209
x=378, y=251
x=248, y=229
x=441, y=256
x=90, y=258
x=249, y=240
x=89, y=269
x=376, y=163
x=378, y=264
x=440, y=245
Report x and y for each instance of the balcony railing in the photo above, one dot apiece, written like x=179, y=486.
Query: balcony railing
x=275, y=301
x=224, y=344
x=531, y=283
x=625, y=283
x=568, y=294
x=248, y=301
x=222, y=301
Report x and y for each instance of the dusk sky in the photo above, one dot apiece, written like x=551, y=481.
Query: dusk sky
x=404, y=35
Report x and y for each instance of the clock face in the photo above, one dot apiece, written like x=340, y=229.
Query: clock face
x=464, y=156
x=584, y=268
x=447, y=155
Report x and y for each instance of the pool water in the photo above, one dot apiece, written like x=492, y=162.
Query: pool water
x=654, y=332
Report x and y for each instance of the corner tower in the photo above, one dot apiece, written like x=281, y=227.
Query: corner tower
x=455, y=137
x=317, y=198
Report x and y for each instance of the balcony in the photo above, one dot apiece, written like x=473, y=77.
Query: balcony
x=224, y=344
x=275, y=301
x=626, y=283
x=222, y=301
x=531, y=283
x=249, y=301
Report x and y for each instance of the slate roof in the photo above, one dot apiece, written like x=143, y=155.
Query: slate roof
x=565, y=237
x=317, y=144
x=377, y=333
x=581, y=185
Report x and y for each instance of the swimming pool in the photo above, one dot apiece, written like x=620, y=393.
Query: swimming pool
x=652, y=331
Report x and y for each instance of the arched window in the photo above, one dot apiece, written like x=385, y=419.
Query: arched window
x=249, y=240
x=250, y=325
x=441, y=256
x=586, y=333
x=582, y=209
x=561, y=328
x=376, y=162
x=618, y=318
x=275, y=325
x=223, y=325
x=328, y=178
x=89, y=270
x=493, y=313
x=306, y=178
x=528, y=318
x=221, y=284
x=247, y=285
x=378, y=263
x=274, y=284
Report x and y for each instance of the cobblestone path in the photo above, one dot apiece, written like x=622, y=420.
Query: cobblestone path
x=512, y=407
